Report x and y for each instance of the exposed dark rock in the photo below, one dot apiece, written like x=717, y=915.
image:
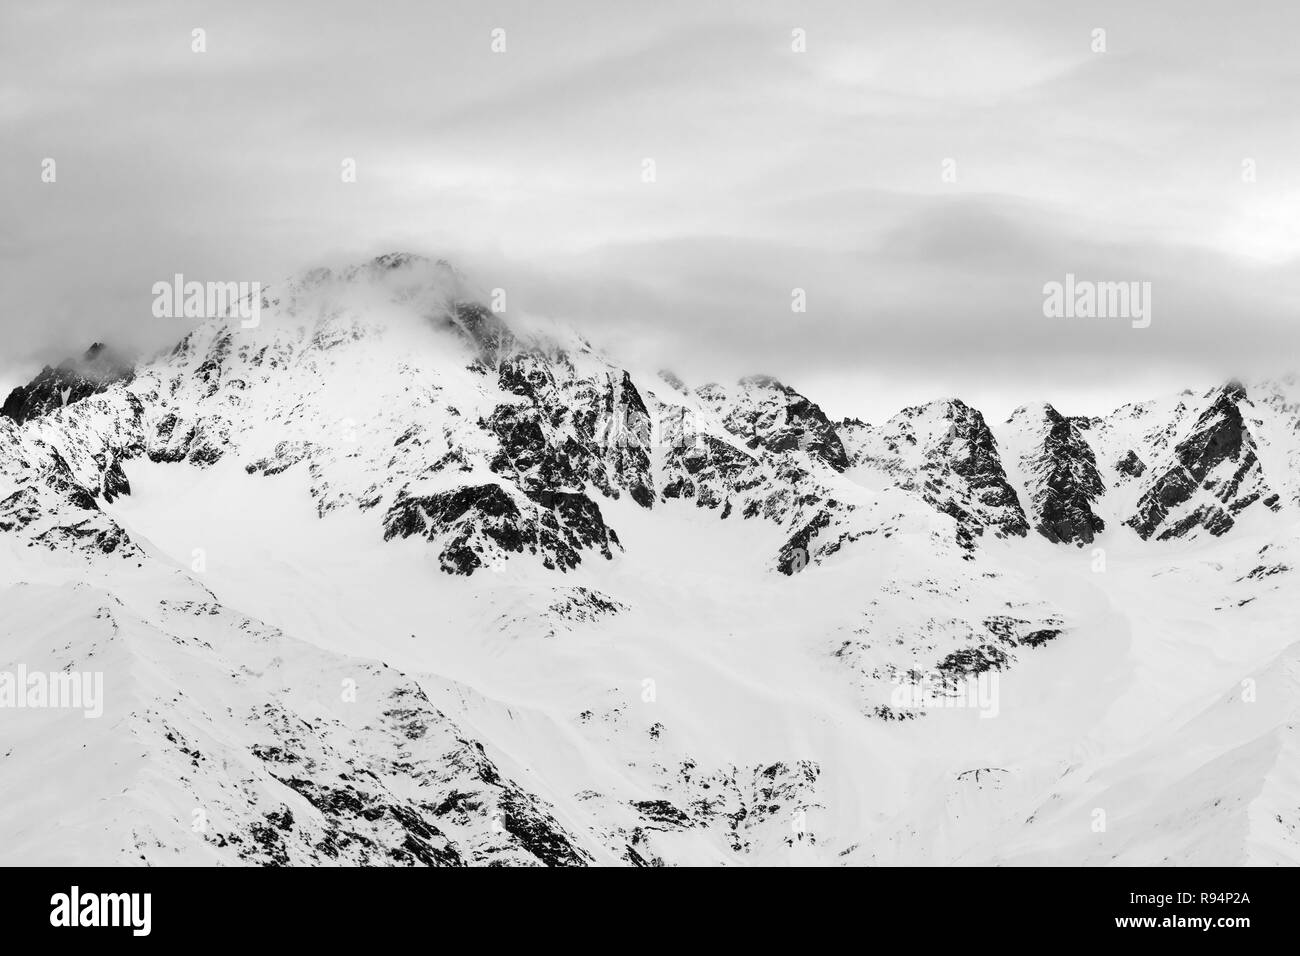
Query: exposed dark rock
x=73, y=380
x=20, y=509
x=971, y=452
x=285, y=456
x=1065, y=482
x=113, y=481
x=1220, y=437
x=663, y=814
x=973, y=660
x=538, y=832
x=1039, y=638
x=767, y=414
x=1131, y=465
x=556, y=525
x=486, y=330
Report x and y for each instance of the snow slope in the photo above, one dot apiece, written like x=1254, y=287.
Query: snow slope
x=394, y=579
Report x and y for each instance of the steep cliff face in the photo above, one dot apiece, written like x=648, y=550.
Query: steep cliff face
x=67, y=384
x=763, y=413
x=1059, y=470
x=945, y=453
x=1213, y=474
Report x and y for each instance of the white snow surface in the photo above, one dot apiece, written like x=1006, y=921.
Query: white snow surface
x=681, y=701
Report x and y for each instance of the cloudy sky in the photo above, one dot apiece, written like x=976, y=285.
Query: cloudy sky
x=1172, y=156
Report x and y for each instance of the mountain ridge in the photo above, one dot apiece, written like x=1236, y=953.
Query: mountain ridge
x=618, y=665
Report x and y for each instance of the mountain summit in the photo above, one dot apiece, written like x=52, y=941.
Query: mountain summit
x=74, y=379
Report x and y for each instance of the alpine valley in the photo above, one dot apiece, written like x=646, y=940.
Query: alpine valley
x=391, y=578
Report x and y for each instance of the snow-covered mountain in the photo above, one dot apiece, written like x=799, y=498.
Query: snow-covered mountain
x=946, y=454
x=71, y=381
x=394, y=578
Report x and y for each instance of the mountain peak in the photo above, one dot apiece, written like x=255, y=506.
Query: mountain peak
x=764, y=413
x=1060, y=474
x=1213, y=474
x=97, y=369
x=762, y=381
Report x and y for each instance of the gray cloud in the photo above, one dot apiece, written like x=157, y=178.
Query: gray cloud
x=776, y=170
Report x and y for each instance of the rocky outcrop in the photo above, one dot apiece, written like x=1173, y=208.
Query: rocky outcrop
x=475, y=521
x=763, y=413
x=616, y=417
x=568, y=430
x=113, y=482
x=1214, y=475
x=972, y=453
x=1061, y=476
x=1131, y=466
x=73, y=380
x=945, y=453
